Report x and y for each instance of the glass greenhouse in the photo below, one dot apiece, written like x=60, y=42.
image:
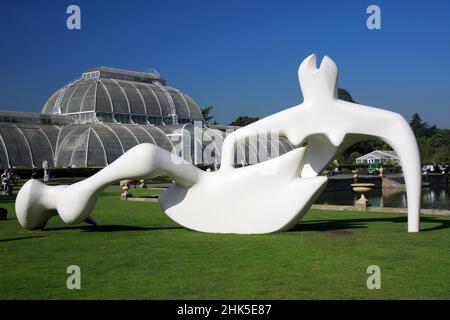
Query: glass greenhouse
x=90, y=122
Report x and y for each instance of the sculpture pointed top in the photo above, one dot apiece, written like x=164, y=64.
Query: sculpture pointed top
x=318, y=83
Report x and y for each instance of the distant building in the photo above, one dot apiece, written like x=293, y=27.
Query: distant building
x=379, y=156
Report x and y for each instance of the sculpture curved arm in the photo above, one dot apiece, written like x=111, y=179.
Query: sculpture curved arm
x=367, y=123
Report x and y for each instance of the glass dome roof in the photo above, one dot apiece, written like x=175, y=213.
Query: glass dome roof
x=107, y=92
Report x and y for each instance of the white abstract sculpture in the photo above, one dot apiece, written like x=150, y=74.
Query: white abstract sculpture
x=266, y=197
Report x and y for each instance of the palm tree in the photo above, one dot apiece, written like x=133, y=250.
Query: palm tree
x=206, y=113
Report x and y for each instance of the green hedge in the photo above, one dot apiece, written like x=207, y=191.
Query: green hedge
x=72, y=173
x=362, y=168
x=57, y=172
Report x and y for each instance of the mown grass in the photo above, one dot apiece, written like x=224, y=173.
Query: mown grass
x=136, y=252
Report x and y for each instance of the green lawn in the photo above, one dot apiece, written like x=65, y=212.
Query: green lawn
x=138, y=253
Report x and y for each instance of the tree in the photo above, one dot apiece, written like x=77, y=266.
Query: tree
x=351, y=159
x=242, y=121
x=421, y=128
x=362, y=147
x=435, y=148
x=206, y=113
x=345, y=95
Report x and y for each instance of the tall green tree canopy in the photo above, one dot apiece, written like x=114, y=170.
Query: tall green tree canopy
x=345, y=95
x=421, y=128
x=434, y=143
x=360, y=148
x=242, y=121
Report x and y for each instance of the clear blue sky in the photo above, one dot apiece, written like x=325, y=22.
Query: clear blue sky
x=239, y=56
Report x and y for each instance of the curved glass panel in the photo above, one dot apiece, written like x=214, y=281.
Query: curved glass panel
x=96, y=156
x=285, y=145
x=52, y=133
x=251, y=151
x=78, y=95
x=79, y=153
x=142, y=135
x=88, y=103
x=134, y=98
x=126, y=137
x=113, y=148
x=40, y=146
x=180, y=103
x=196, y=113
x=66, y=95
x=239, y=155
x=3, y=156
x=212, y=141
x=16, y=146
x=68, y=145
x=163, y=102
x=50, y=104
x=160, y=138
x=118, y=98
x=102, y=103
x=150, y=99
x=63, y=134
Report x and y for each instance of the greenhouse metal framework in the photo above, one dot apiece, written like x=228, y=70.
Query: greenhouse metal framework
x=92, y=121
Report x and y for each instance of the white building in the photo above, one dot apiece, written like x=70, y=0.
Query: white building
x=379, y=156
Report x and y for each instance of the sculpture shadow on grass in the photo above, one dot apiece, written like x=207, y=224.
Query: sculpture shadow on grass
x=23, y=238
x=105, y=228
x=343, y=224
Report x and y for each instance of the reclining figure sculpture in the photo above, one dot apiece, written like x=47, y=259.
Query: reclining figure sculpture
x=247, y=200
